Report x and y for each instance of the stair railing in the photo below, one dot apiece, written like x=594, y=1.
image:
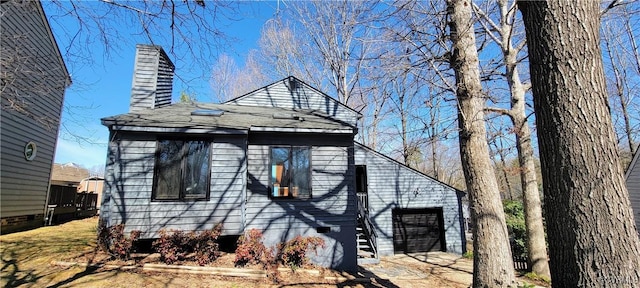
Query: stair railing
x=365, y=221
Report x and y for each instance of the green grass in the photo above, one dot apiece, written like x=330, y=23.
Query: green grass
x=26, y=256
x=536, y=277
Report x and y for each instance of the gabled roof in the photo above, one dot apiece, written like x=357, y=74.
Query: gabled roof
x=234, y=119
x=293, y=78
x=54, y=42
x=358, y=144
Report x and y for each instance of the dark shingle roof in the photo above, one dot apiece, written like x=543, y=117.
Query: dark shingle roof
x=234, y=118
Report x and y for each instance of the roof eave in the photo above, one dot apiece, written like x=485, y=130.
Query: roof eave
x=302, y=130
x=113, y=126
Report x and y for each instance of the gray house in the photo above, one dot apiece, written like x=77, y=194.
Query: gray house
x=34, y=78
x=633, y=185
x=281, y=159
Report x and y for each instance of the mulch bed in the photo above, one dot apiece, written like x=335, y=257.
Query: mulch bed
x=223, y=266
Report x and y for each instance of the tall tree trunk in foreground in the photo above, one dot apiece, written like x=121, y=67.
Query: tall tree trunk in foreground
x=592, y=237
x=536, y=245
x=506, y=31
x=492, y=262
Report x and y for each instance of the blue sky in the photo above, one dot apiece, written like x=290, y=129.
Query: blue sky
x=101, y=86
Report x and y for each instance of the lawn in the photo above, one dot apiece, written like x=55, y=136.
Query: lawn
x=29, y=260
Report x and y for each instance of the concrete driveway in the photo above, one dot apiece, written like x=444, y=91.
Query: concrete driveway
x=433, y=269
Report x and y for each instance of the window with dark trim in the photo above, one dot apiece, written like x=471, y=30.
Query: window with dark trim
x=290, y=170
x=182, y=170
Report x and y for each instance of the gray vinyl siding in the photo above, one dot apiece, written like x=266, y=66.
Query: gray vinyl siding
x=332, y=204
x=129, y=185
x=393, y=185
x=301, y=96
x=152, y=79
x=633, y=185
x=37, y=84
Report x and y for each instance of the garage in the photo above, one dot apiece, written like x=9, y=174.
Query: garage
x=418, y=230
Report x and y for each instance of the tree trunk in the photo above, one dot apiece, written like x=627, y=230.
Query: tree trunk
x=492, y=262
x=536, y=245
x=434, y=158
x=592, y=237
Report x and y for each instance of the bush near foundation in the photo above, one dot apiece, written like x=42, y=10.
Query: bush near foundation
x=113, y=241
x=251, y=250
x=293, y=253
x=176, y=245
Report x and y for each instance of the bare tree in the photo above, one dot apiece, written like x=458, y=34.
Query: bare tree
x=499, y=153
x=622, y=70
x=492, y=262
x=437, y=127
x=21, y=61
x=592, y=237
x=405, y=88
x=172, y=24
x=284, y=51
x=332, y=45
x=417, y=31
x=504, y=31
x=375, y=111
x=336, y=29
x=229, y=81
x=81, y=26
x=223, y=76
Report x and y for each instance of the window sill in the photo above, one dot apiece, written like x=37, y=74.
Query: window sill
x=285, y=198
x=181, y=200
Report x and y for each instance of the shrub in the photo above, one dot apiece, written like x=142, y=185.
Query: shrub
x=514, y=213
x=468, y=255
x=177, y=245
x=170, y=246
x=206, y=245
x=270, y=265
x=293, y=253
x=113, y=241
x=251, y=250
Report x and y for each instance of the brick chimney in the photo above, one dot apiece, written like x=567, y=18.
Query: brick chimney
x=152, y=78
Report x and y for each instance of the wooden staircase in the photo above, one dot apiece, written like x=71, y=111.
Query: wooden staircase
x=365, y=234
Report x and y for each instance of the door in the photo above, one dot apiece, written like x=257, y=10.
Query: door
x=361, y=187
x=418, y=230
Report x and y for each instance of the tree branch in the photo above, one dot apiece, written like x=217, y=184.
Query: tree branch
x=501, y=111
x=484, y=16
x=612, y=5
